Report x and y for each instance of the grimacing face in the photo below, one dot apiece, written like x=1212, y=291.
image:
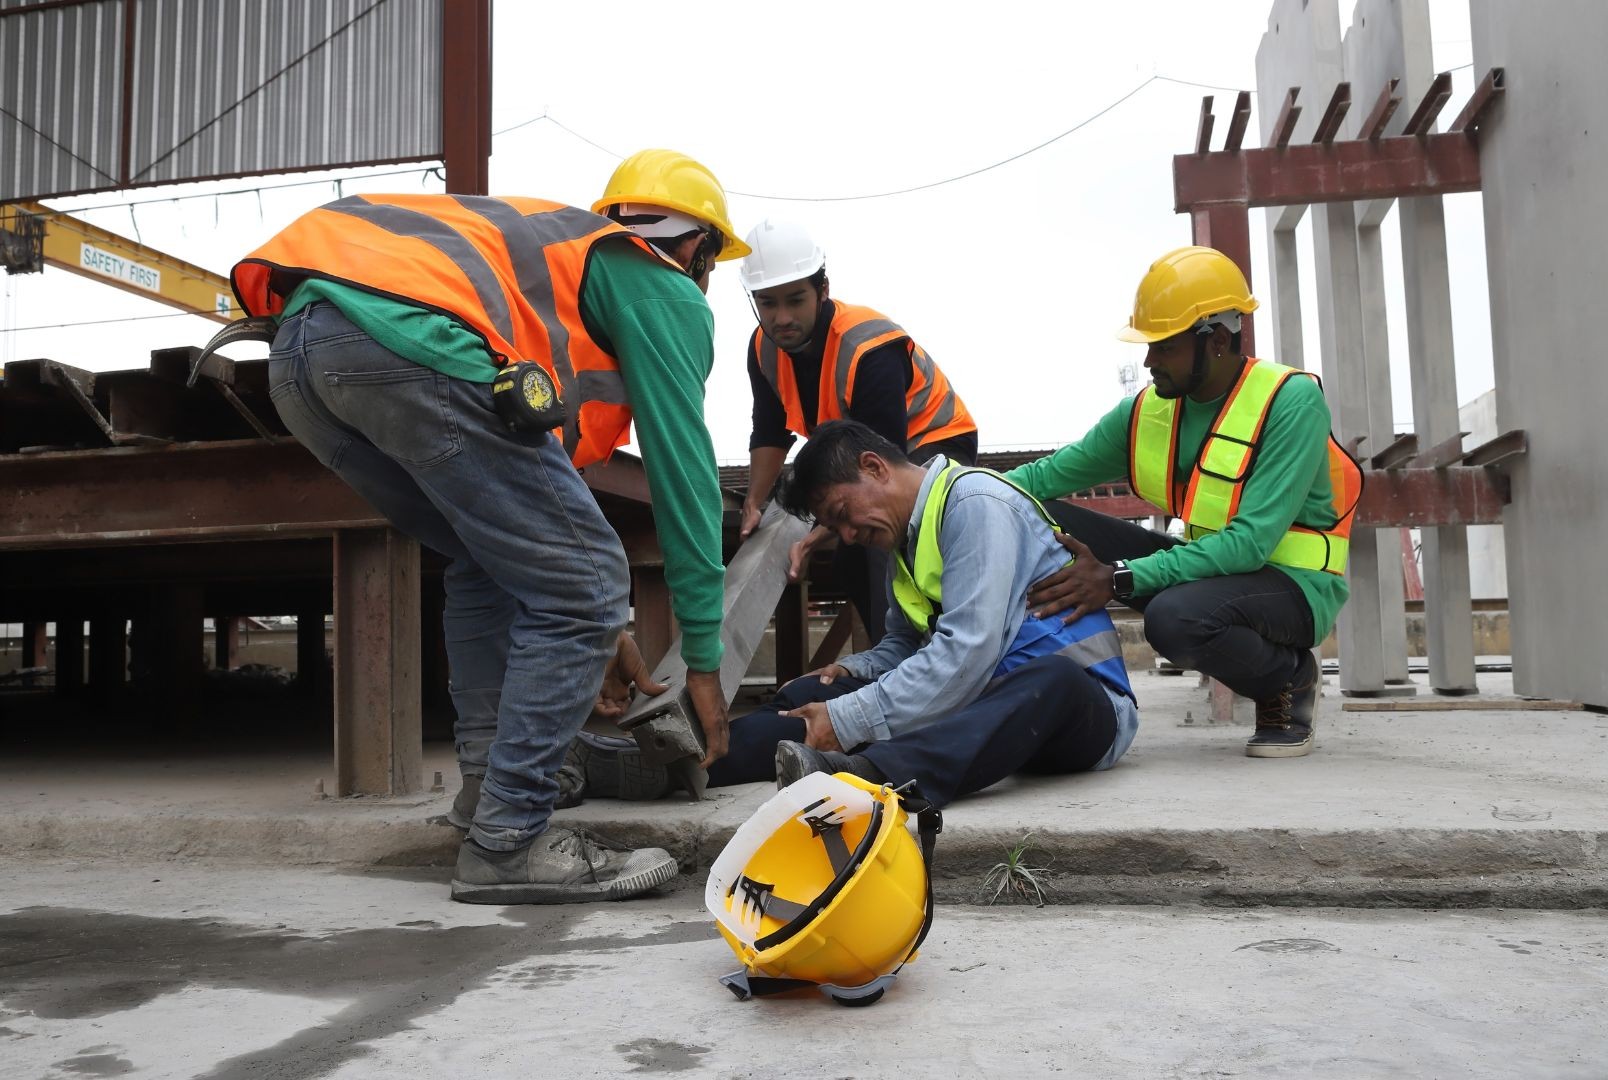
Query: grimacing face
x=863, y=512
x=787, y=313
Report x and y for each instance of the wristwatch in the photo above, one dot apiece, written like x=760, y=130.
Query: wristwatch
x=1121, y=580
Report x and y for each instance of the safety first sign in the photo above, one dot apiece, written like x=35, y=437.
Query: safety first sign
x=107, y=264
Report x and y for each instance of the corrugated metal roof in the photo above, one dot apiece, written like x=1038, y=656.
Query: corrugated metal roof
x=219, y=89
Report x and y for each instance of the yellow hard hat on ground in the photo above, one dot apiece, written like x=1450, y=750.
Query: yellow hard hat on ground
x=676, y=182
x=1181, y=289
x=825, y=888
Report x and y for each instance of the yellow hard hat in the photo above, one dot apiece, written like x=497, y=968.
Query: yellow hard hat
x=824, y=887
x=677, y=182
x=1182, y=288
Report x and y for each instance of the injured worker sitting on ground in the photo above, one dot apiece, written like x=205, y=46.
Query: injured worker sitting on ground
x=966, y=688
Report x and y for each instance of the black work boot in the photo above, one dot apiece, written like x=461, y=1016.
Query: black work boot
x=613, y=768
x=1284, y=721
x=571, y=792
x=795, y=760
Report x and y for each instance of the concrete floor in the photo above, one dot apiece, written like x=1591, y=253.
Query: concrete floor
x=196, y=970
x=1493, y=807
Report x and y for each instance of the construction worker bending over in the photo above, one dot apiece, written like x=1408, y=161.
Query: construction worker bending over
x=814, y=359
x=966, y=688
x=1239, y=449
x=397, y=314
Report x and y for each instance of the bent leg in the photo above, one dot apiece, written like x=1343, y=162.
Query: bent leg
x=1049, y=714
x=751, y=754
x=1248, y=631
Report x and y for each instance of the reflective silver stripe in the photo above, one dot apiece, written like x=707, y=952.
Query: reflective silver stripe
x=852, y=341
x=769, y=364
x=445, y=239
x=607, y=387
x=1106, y=645
x=923, y=364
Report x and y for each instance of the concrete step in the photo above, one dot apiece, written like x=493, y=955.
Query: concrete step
x=1420, y=809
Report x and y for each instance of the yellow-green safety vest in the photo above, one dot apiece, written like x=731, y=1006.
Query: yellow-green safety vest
x=1211, y=498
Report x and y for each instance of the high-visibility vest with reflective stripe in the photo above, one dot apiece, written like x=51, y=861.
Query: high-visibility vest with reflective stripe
x=933, y=410
x=510, y=269
x=1208, y=503
x=1092, y=640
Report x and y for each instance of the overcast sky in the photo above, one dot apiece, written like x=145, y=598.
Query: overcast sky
x=1013, y=280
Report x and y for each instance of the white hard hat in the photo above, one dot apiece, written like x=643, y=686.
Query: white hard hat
x=783, y=251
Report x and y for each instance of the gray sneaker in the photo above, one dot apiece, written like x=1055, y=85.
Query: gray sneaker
x=561, y=866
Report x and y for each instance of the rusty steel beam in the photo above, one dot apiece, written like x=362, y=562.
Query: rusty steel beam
x=1284, y=126
x=1492, y=87
x=379, y=735
x=653, y=622
x=1504, y=447
x=187, y=491
x=1237, y=125
x=1227, y=227
x=466, y=95
x=1444, y=453
x=1395, y=498
x=1333, y=114
x=1373, y=128
x=1203, y=130
x=837, y=636
x=1351, y=170
x=1409, y=498
x=1423, y=117
x=1397, y=454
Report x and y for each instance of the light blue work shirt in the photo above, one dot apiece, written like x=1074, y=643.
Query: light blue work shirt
x=995, y=545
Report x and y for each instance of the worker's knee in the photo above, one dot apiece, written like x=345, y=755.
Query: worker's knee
x=1175, y=629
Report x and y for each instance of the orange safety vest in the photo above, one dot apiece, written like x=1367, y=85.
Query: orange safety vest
x=1226, y=459
x=510, y=269
x=933, y=410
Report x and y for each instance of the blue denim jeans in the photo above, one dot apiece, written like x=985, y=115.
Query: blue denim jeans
x=537, y=586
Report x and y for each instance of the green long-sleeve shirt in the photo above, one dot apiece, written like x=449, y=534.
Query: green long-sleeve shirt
x=1289, y=483
x=660, y=327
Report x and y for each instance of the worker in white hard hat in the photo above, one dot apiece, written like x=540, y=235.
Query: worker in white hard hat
x=813, y=359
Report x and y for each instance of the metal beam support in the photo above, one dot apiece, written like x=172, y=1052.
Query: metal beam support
x=1434, y=100
x=1227, y=227
x=1486, y=94
x=1346, y=171
x=1333, y=114
x=1203, y=131
x=1284, y=126
x=1373, y=128
x=654, y=622
x=466, y=95
x=379, y=743
x=225, y=642
x=1237, y=125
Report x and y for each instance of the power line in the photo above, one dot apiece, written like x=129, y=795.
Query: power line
x=353, y=21
x=99, y=322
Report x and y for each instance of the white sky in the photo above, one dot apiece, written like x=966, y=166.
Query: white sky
x=1014, y=280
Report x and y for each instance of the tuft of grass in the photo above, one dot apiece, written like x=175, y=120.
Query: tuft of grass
x=1016, y=882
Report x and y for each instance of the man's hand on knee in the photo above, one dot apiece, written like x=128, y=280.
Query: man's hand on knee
x=818, y=731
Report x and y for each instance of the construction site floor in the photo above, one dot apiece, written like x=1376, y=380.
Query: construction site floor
x=1500, y=804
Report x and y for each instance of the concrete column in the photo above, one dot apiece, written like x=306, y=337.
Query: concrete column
x=1448, y=607
x=35, y=647
x=1282, y=295
x=1381, y=423
x=1340, y=335
x=379, y=741
x=180, y=652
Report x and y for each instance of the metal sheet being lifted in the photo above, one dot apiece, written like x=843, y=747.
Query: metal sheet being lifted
x=103, y=95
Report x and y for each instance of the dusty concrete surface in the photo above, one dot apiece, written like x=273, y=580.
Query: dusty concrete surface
x=198, y=970
x=1408, y=808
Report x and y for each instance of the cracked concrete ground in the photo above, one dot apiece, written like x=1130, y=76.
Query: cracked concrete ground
x=204, y=970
